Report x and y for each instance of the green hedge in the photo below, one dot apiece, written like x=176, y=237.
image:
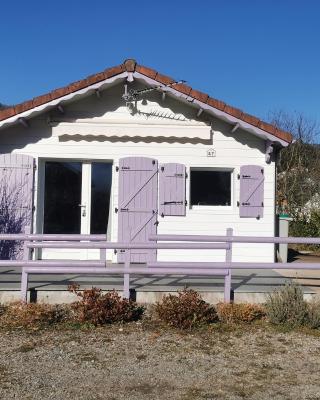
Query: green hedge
x=306, y=226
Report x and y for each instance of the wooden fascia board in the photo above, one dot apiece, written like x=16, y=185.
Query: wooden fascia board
x=214, y=111
x=54, y=103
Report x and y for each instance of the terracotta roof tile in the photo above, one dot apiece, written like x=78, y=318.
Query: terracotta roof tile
x=38, y=101
x=165, y=80
x=250, y=119
x=108, y=73
x=235, y=112
x=181, y=87
x=7, y=113
x=131, y=65
x=220, y=105
x=203, y=97
x=151, y=73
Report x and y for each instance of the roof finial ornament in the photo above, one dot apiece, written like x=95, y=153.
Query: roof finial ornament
x=130, y=64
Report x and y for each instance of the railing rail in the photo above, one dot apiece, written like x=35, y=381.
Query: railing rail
x=236, y=239
x=190, y=242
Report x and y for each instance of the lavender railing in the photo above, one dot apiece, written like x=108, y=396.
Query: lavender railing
x=198, y=242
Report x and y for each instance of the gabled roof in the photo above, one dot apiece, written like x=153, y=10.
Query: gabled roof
x=131, y=66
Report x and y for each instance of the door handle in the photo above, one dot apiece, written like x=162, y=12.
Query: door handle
x=84, y=209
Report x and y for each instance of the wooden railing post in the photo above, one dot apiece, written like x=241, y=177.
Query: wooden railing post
x=227, y=278
x=126, y=277
x=24, y=274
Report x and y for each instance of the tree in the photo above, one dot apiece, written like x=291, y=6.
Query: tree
x=3, y=106
x=298, y=179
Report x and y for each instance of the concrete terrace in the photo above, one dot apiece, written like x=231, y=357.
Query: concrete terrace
x=247, y=285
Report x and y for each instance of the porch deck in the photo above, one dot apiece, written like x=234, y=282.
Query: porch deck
x=247, y=284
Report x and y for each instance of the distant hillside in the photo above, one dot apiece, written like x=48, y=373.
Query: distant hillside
x=2, y=106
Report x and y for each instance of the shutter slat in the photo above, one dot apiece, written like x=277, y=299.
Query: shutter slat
x=251, y=202
x=172, y=189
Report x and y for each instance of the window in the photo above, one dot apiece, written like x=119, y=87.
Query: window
x=76, y=197
x=210, y=188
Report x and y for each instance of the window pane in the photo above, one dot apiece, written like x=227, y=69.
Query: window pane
x=62, y=197
x=211, y=188
x=101, y=178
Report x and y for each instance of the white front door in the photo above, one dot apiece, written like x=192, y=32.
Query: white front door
x=76, y=199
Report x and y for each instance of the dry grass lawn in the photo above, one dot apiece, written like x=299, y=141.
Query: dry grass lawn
x=142, y=361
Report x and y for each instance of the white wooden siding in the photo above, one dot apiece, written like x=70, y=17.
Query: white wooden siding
x=232, y=151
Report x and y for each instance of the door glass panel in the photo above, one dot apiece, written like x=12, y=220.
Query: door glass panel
x=62, y=197
x=101, y=179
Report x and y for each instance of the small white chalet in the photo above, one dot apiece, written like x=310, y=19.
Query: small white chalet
x=129, y=152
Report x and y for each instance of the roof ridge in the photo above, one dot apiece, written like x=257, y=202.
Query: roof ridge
x=131, y=65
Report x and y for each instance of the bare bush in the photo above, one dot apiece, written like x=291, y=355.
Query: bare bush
x=98, y=309
x=233, y=313
x=30, y=316
x=186, y=310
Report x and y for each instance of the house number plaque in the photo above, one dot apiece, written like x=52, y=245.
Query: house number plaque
x=211, y=153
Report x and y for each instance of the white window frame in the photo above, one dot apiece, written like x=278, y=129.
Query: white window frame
x=208, y=207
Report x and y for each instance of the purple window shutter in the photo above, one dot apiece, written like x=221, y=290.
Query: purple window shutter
x=251, y=191
x=16, y=197
x=137, y=205
x=172, y=189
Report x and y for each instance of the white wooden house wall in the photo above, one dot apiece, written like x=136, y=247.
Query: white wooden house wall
x=232, y=151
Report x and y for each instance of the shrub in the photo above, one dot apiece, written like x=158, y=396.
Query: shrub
x=99, y=309
x=186, y=310
x=306, y=225
x=313, y=320
x=33, y=315
x=237, y=313
x=287, y=306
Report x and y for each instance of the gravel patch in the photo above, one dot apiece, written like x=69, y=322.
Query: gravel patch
x=139, y=362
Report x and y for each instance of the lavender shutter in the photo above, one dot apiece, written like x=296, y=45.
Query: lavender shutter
x=251, y=191
x=137, y=206
x=172, y=189
x=16, y=200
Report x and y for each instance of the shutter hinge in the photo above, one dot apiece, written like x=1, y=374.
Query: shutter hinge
x=116, y=210
x=115, y=251
x=186, y=202
x=238, y=176
x=117, y=169
x=156, y=223
x=162, y=169
x=238, y=204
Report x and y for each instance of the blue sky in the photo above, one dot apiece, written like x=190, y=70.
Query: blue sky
x=255, y=55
